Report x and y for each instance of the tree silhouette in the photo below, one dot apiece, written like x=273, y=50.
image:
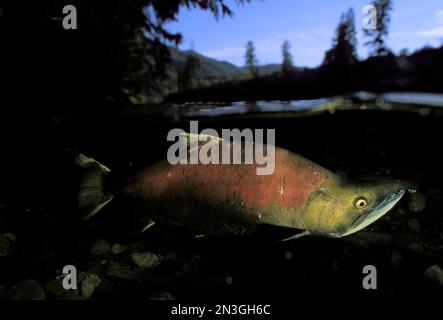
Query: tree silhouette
x=251, y=59
x=190, y=73
x=119, y=51
x=343, y=51
x=352, y=32
x=377, y=37
x=287, y=65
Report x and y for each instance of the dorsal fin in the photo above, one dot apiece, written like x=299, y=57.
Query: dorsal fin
x=201, y=139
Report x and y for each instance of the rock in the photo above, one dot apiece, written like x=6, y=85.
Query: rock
x=7, y=242
x=335, y=265
x=89, y=281
x=145, y=260
x=118, y=248
x=161, y=296
x=435, y=273
x=414, y=225
x=192, y=267
x=417, y=203
x=136, y=245
x=26, y=290
x=416, y=247
x=55, y=287
x=395, y=261
x=123, y=271
x=100, y=247
x=119, y=270
x=10, y=236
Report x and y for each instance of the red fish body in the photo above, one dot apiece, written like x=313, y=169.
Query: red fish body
x=221, y=198
x=236, y=196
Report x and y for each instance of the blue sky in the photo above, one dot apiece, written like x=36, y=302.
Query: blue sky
x=308, y=24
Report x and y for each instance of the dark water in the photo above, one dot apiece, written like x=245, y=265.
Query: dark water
x=411, y=101
x=362, y=136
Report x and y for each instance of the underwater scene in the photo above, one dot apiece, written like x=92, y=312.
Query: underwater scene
x=183, y=151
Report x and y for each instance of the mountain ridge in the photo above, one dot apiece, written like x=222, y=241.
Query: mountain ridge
x=213, y=68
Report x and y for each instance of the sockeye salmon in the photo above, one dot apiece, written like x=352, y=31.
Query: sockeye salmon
x=215, y=199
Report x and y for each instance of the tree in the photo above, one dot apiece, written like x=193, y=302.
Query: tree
x=251, y=60
x=351, y=32
x=343, y=51
x=287, y=64
x=119, y=51
x=190, y=74
x=377, y=37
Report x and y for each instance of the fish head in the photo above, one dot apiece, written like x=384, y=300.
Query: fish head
x=343, y=208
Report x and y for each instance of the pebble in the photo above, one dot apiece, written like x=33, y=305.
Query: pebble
x=118, y=248
x=414, y=225
x=395, y=261
x=89, y=281
x=417, y=203
x=435, y=273
x=288, y=255
x=335, y=265
x=100, y=247
x=119, y=270
x=145, y=260
x=124, y=271
x=55, y=287
x=7, y=242
x=161, y=296
x=26, y=290
x=416, y=247
x=192, y=267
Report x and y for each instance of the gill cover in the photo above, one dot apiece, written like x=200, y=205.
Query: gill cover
x=342, y=208
x=322, y=215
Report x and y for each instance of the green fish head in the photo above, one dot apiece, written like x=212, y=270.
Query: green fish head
x=343, y=208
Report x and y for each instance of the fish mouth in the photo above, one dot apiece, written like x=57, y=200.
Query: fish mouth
x=380, y=210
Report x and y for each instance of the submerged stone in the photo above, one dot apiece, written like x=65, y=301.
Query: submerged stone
x=7, y=242
x=145, y=260
x=100, y=247
x=26, y=290
x=417, y=203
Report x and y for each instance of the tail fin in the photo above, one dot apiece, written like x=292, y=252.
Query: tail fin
x=92, y=197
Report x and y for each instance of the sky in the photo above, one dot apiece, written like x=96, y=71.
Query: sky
x=309, y=25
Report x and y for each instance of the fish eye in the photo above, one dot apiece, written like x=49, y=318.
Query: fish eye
x=360, y=203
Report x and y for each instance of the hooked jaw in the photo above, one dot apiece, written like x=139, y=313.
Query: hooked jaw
x=380, y=210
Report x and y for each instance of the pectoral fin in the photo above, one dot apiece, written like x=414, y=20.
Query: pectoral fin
x=296, y=236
